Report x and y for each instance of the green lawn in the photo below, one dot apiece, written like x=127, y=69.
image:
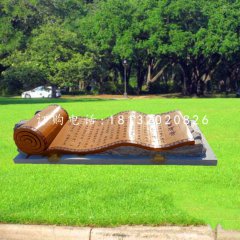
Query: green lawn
x=114, y=195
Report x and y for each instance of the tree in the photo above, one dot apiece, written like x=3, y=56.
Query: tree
x=57, y=53
x=63, y=42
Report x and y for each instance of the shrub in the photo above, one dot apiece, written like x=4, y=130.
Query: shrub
x=108, y=87
x=158, y=87
x=16, y=79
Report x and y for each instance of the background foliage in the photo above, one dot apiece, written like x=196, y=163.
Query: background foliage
x=171, y=45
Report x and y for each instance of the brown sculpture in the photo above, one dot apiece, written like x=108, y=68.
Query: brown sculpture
x=53, y=131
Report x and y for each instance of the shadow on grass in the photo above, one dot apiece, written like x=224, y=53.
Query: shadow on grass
x=9, y=100
x=17, y=100
x=181, y=96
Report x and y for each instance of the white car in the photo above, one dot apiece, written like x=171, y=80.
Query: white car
x=40, y=92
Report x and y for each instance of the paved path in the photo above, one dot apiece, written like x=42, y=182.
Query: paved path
x=45, y=232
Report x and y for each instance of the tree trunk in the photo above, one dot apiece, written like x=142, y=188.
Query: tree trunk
x=115, y=75
x=54, y=88
x=149, y=74
x=81, y=85
x=186, y=79
x=159, y=74
x=140, y=78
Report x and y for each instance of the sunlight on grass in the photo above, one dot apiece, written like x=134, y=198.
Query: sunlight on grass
x=113, y=195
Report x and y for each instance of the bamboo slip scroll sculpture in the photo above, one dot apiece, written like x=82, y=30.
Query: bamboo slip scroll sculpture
x=116, y=139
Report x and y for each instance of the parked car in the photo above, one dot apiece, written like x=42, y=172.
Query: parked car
x=41, y=92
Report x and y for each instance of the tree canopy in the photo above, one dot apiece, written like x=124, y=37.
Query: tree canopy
x=170, y=45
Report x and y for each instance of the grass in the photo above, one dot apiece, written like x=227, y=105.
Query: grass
x=115, y=195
